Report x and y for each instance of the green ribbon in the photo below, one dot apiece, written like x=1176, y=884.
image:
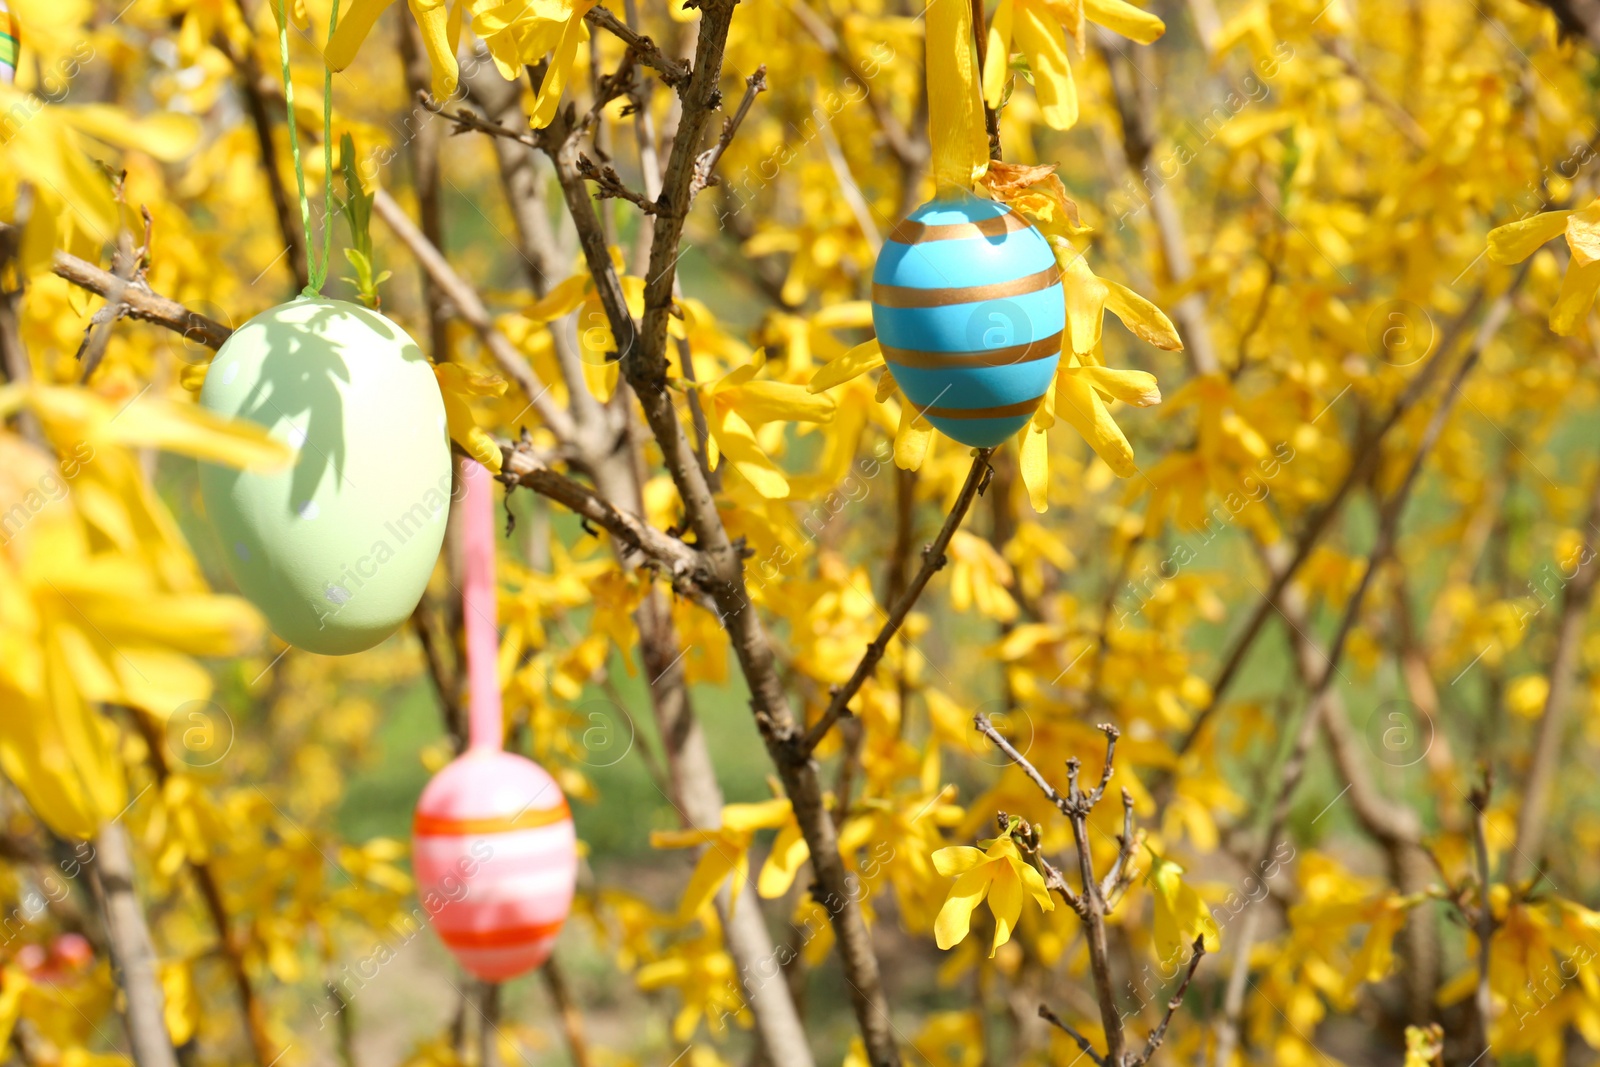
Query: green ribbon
x=317, y=271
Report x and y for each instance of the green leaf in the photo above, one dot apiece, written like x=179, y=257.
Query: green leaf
x=356, y=207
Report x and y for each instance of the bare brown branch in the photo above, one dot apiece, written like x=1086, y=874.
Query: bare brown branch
x=465, y=120
x=1173, y=1004
x=469, y=307
x=644, y=366
x=933, y=560
x=139, y=302
x=705, y=164
x=681, y=563
x=1082, y=1042
x=612, y=186
x=1483, y=998
x=672, y=71
x=133, y=956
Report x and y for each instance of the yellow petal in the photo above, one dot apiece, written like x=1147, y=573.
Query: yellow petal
x=912, y=438
x=456, y=383
x=1005, y=900
x=354, y=25
x=845, y=315
x=860, y=359
x=158, y=679
x=955, y=917
x=768, y=401
x=464, y=381
x=738, y=443
x=998, y=54
x=1583, y=234
x=957, y=859
x=717, y=862
x=1142, y=318
x=1180, y=914
x=182, y=1006
x=1080, y=405
x=14, y=986
x=559, y=301
x=107, y=596
x=1035, y=467
x=1046, y=47
x=887, y=386
x=762, y=815
x=433, y=19
x=1121, y=17
x=560, y=69
x=73, y=415
x=681, y=838
x=1033, y=882
x=955, y=110
x=166, y=135
x=789, y=852
x=1135, y=387
x=1576, y=298
x=1516, y=241
x=1086, y=298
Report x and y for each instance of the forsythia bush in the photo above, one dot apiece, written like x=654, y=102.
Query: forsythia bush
x=1239, y=709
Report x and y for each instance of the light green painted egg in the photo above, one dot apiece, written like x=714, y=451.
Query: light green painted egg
x=336, y=549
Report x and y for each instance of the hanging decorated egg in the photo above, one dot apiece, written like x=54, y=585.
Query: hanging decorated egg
x=10, y=44
x=968, y=307
x=336, y=549
x=496, y=859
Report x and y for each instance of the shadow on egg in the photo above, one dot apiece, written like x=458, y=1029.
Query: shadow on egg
x=297, y=379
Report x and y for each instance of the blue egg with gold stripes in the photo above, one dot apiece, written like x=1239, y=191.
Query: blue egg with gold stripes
x=968, y=305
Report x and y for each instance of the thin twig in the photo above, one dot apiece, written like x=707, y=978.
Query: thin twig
x=446, y=680
x=1062, y=1025
x=908, y=151
x=1365, y=461
x=612, y=186
x=682, y=563
x=263, y=99
x=424, y=144
x=571, y=1018
x=1090, y=901
x=1093, y=912
x=674, y=72
x=1121, y=872
x=127, y=264
x=231, y=944
x=706, y=162
x=1404, y=121
x=1112, y=733
x=466, y=120
x=1485, y=922
x=933, y=560
x=981, y=723
x=980, y=38
x=1160, y=1032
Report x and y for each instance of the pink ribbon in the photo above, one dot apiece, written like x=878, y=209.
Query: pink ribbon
x=485, y=727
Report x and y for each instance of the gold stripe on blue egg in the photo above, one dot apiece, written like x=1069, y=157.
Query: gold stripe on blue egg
x=969, y=310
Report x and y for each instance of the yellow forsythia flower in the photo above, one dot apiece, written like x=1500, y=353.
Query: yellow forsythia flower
x=1000, y=874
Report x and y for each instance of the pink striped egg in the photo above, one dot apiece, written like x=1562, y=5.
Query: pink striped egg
x=496, y=859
